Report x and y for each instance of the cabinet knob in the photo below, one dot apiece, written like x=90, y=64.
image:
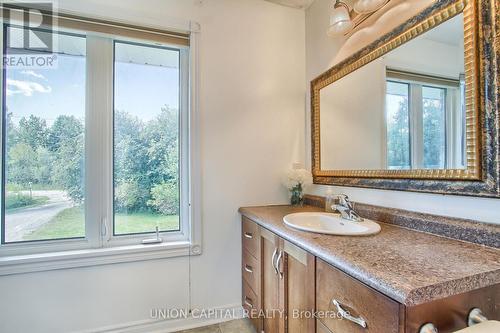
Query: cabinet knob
x=428, y=328
x=475, y=317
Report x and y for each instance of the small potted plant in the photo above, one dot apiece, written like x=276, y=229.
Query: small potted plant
x=296, y=180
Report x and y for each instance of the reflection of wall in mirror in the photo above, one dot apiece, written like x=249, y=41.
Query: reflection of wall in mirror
x=353, y=122
x=353, y=128
x=439, y=52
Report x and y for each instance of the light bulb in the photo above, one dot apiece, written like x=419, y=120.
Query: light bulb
x=340, y=21
x=368, y=6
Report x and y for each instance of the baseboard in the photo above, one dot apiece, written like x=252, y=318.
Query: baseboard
x=175, y=325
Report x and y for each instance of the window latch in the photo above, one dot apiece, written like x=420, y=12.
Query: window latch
x=104, y=229
x=156, y=240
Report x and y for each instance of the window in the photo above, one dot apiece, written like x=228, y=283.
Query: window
x=146, y=139
x=424, y=121
x=96, y=144
x=44, y=117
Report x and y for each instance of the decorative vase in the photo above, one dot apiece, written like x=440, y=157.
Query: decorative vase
x=297, y=198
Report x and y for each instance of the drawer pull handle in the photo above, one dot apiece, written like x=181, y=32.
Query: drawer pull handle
x=248, y=302
x=273, y=261
x=248, y=235
x=344, y=314
x=249, y=269
x=278, y=265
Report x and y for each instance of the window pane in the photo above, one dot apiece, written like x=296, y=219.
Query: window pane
x=44, y=143
x=434, y=120
x=146, y=139
x=398, y=126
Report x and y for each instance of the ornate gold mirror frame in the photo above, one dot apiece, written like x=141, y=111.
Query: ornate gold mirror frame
x=481, y=42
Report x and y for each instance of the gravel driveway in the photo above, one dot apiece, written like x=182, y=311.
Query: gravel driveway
x=23, y=221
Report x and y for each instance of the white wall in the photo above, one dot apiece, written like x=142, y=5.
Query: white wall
x=252, y=121
x=353, y=126
x=322, y=52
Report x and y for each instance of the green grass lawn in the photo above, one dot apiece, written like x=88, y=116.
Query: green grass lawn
x=144, y=222
x=21, y=201
x=70, y=223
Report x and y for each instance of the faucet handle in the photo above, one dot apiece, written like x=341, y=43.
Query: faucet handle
x=344, y=201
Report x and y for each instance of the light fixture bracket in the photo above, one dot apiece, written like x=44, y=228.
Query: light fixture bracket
x=356, y=18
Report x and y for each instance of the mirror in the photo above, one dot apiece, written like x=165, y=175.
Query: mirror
x=417, y=109
x=403, y=111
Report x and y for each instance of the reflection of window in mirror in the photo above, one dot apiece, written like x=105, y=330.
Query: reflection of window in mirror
x=424, y=121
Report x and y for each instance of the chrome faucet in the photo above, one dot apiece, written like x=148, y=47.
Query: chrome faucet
x=346, y=209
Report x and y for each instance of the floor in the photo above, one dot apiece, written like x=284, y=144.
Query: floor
x=234, y=326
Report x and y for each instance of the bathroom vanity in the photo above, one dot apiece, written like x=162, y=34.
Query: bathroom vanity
x=394, y=281
x=415, y=110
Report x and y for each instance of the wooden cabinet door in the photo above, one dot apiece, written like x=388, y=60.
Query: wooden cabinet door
x=270, y=282
x=298, y=288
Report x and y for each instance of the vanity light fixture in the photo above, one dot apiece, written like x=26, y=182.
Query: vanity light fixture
x=340, y=20
x=347, y=14
x=368, y=6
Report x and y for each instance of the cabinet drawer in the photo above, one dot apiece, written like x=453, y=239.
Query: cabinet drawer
x=250, y=270
x=250, y=237
x=380, y=313
x=251, y=304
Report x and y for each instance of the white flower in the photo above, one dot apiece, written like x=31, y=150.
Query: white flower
x=295, y=177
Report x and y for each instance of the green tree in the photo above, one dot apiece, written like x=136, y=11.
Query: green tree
x=43, y=168
x=129, y=196
x=130, y=162
x=165, y=198
x=398, y=137
x=146, y=156
x=68, y=168
x=12, y=135
x=65, y=129
x=21, y=164
x=33, y=132
x=162, y=135
x=434, y=138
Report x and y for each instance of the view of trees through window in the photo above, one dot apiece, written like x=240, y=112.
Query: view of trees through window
x=45, y=148
x=434, y=123
x=146, y=139
x=44, y=156
x=425, y=117
x=398, y=125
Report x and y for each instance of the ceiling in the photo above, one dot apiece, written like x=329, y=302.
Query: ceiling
x=450, y=32
x=301, y=4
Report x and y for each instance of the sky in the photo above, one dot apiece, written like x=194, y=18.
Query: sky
x=48, y=92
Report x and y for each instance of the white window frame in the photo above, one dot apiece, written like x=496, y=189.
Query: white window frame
x=100, y=246
x=453, y=137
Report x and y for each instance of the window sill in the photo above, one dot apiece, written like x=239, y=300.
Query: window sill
x=91, y=257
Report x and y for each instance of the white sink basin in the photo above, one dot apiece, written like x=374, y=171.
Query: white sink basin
x=332, y=224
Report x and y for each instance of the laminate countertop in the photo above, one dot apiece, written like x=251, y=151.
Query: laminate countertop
x=409, y=266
